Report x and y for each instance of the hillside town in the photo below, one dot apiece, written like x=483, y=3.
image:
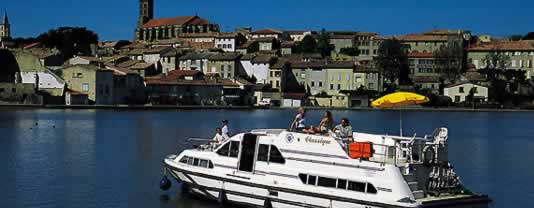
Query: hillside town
x=189, y=61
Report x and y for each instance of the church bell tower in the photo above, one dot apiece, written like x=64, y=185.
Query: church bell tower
x=5, y=27
x=146, y=11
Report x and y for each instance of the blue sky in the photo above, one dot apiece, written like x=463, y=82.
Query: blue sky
x=116, y=19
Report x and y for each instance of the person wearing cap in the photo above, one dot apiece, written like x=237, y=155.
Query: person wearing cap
x=224, y=128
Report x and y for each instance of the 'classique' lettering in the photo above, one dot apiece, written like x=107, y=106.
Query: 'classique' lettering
x=318, y=141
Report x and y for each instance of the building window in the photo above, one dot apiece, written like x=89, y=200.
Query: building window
x=461, y=89
x=514, y=64
x=331, y=86
x=313, y=83
x=320, y=84
x=85, y=87
x=338, y=86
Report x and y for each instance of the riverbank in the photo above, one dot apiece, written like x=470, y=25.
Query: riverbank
x=196, y=107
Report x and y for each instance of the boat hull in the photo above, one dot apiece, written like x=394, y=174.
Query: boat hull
x=237, y=190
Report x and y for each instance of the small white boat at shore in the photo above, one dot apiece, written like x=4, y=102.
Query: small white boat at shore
x=279, y=168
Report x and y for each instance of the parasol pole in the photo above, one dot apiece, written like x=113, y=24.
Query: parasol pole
x=400, y=123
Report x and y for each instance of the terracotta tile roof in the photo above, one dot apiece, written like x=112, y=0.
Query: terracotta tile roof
x=420, y=55
x=263, y=58
x=524, y=45
x=180, y=20
x=265, y=39
x=200, y=35
x=225, y=57
x=246, y=44
x=418, y=38
x=249, y=56
x=121, y=71
x=178, y=74
x=287, y=44
x=227, y=35
x=267, y=31
x=195, y=56
x=92, y=59
x=336, y=36
x=156, y=50
x=33, y=45
x=297, y=32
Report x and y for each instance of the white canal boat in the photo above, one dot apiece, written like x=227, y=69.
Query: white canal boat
x=279, y=168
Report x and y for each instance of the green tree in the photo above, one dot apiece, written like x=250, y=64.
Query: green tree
x=449, y=60
x=497, y=60
x=354, y=51
x=307, y=45
x=323, y=44
x=69, y=40
x=529, y=36
x=515, y=37
x=393, y=62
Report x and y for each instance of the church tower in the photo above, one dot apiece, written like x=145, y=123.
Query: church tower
x=5, y=28
x=146, y=11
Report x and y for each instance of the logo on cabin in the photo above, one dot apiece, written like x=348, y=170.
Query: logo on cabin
x=290, y=138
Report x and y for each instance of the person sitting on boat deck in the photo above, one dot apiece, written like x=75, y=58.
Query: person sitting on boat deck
x=224, y=128
x=298, y=122
x=219, y=137
x=324, y=126
x=344, y=131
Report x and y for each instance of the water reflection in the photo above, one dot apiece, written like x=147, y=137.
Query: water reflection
x=84, y=158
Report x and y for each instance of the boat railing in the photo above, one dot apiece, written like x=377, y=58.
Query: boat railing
x=401, y=152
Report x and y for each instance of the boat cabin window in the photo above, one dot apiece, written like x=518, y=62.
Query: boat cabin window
x=356, y=186
x=263, y=152
x=230, y=149
x=327, y=182
x=371, y=189
x=275, y=156
x=337, y=183
x=196, y=162
x=270, y=153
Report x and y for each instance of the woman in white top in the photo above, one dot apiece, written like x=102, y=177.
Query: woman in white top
x=299, y=122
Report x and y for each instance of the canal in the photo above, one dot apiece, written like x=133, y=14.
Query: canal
x=106, y=158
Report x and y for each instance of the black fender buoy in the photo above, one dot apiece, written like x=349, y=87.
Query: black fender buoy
x=222, y=197
x=267, y=203
x=165, y=183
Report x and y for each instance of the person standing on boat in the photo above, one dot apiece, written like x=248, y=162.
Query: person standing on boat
x=344, y=131
x=298, y=122
x=218, y=139
x=224, y=128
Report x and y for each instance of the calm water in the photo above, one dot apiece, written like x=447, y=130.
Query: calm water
x=87, y=158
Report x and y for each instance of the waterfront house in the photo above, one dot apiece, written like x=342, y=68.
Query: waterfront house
x=460, y=92
x=297, y=35
x=228, y=42
x=73, y=97
x=267, y=43
x=154, y=57
x=225, y=65
x=287, y=47
x=169, y=60
x=250, y=46
x=195, y=61
x=266, y=33
x=128, y=86
x=521, y=54
x=96, y=82
x=85, y=60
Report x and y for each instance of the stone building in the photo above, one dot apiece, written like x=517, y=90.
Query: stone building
x=150, y=29
x=96, y=82
x=5, y=28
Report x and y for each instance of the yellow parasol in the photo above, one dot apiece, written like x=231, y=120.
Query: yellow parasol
x=398, y=99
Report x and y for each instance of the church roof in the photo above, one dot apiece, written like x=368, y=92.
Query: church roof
x=180, y=20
